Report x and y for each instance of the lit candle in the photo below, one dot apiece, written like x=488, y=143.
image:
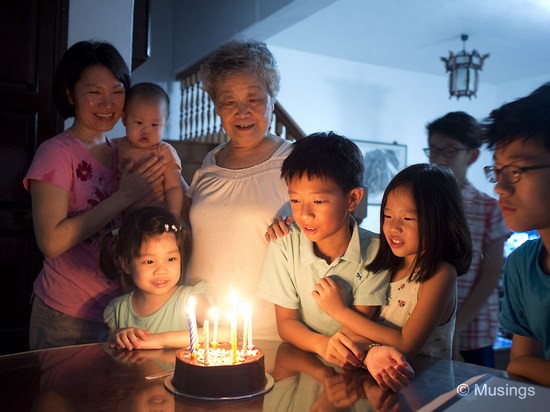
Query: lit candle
x=206, y=334
x=232, y=316
x=245, y=308
x=233, y=298
x=192, y=321
x=215, y=314
x=250, y=343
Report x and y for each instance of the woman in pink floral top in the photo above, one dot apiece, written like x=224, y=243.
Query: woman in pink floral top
x=77, y=197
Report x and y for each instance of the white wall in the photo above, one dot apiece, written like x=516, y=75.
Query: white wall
x=103, y=20
x=159, y=67
x=205, y=24
x=374, y=103
x=513, y=90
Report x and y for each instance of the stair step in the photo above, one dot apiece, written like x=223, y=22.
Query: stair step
x=191, y=153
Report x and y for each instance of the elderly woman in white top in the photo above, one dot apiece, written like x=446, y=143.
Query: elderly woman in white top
x=238, y=191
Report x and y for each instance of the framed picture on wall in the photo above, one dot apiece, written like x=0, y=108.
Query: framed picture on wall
x=382, y=162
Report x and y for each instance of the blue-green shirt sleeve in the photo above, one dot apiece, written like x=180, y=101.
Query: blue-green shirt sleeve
x=371, y=288
x=276, y=282
x=512, y=316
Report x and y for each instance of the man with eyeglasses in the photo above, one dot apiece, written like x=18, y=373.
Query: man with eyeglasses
x=454, y=141
x=519, y=133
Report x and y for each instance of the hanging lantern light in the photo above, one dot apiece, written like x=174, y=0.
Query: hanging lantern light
x=463, y=69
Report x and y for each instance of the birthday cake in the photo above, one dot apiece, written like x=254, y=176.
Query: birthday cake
x=219, y=374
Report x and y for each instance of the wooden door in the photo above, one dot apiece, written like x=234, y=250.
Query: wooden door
x=33, y=35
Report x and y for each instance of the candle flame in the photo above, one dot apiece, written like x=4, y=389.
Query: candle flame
x=245, y=308
x=214, y=313
x=233, y=295
x=230, y=316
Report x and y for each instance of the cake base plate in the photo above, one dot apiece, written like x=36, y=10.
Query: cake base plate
x=268, y=385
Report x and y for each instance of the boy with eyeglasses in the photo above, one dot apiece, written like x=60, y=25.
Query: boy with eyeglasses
x=519, y=133
x=454, y=141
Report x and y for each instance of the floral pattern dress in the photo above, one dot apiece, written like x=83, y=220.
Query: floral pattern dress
x=402, y=299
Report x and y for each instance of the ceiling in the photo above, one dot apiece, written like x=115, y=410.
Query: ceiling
x=414, y=34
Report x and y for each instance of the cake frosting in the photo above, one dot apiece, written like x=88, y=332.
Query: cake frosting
x=218, y=375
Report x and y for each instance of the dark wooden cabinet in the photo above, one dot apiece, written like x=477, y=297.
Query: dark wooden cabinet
x=141, y=33
x=33, y=35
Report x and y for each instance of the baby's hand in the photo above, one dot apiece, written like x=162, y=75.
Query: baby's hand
x=329, y=294
x=128, y=338
x=126, y=166
x=278, y=228
x=142, y=181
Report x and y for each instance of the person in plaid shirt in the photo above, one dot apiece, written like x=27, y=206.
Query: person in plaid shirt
x=454, y=141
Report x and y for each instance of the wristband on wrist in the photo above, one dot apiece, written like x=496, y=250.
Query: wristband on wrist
x=366, y=352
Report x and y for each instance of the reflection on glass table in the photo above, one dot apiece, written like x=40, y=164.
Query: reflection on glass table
x=304, y=381
x=96, y=378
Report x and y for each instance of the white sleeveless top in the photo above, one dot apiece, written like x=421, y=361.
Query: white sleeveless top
x=402, y=298
x=230, y=213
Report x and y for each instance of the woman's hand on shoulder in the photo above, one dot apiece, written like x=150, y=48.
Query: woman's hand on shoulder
x=278, y=228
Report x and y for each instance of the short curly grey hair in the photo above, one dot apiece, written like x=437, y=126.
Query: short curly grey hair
x=236, y=57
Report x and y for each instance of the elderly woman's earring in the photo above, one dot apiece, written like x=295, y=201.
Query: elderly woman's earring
x=70, y=98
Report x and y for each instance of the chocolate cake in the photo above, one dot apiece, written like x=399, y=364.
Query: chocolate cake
x=218, y=376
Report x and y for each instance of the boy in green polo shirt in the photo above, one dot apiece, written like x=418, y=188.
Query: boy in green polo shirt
x=324, y=174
